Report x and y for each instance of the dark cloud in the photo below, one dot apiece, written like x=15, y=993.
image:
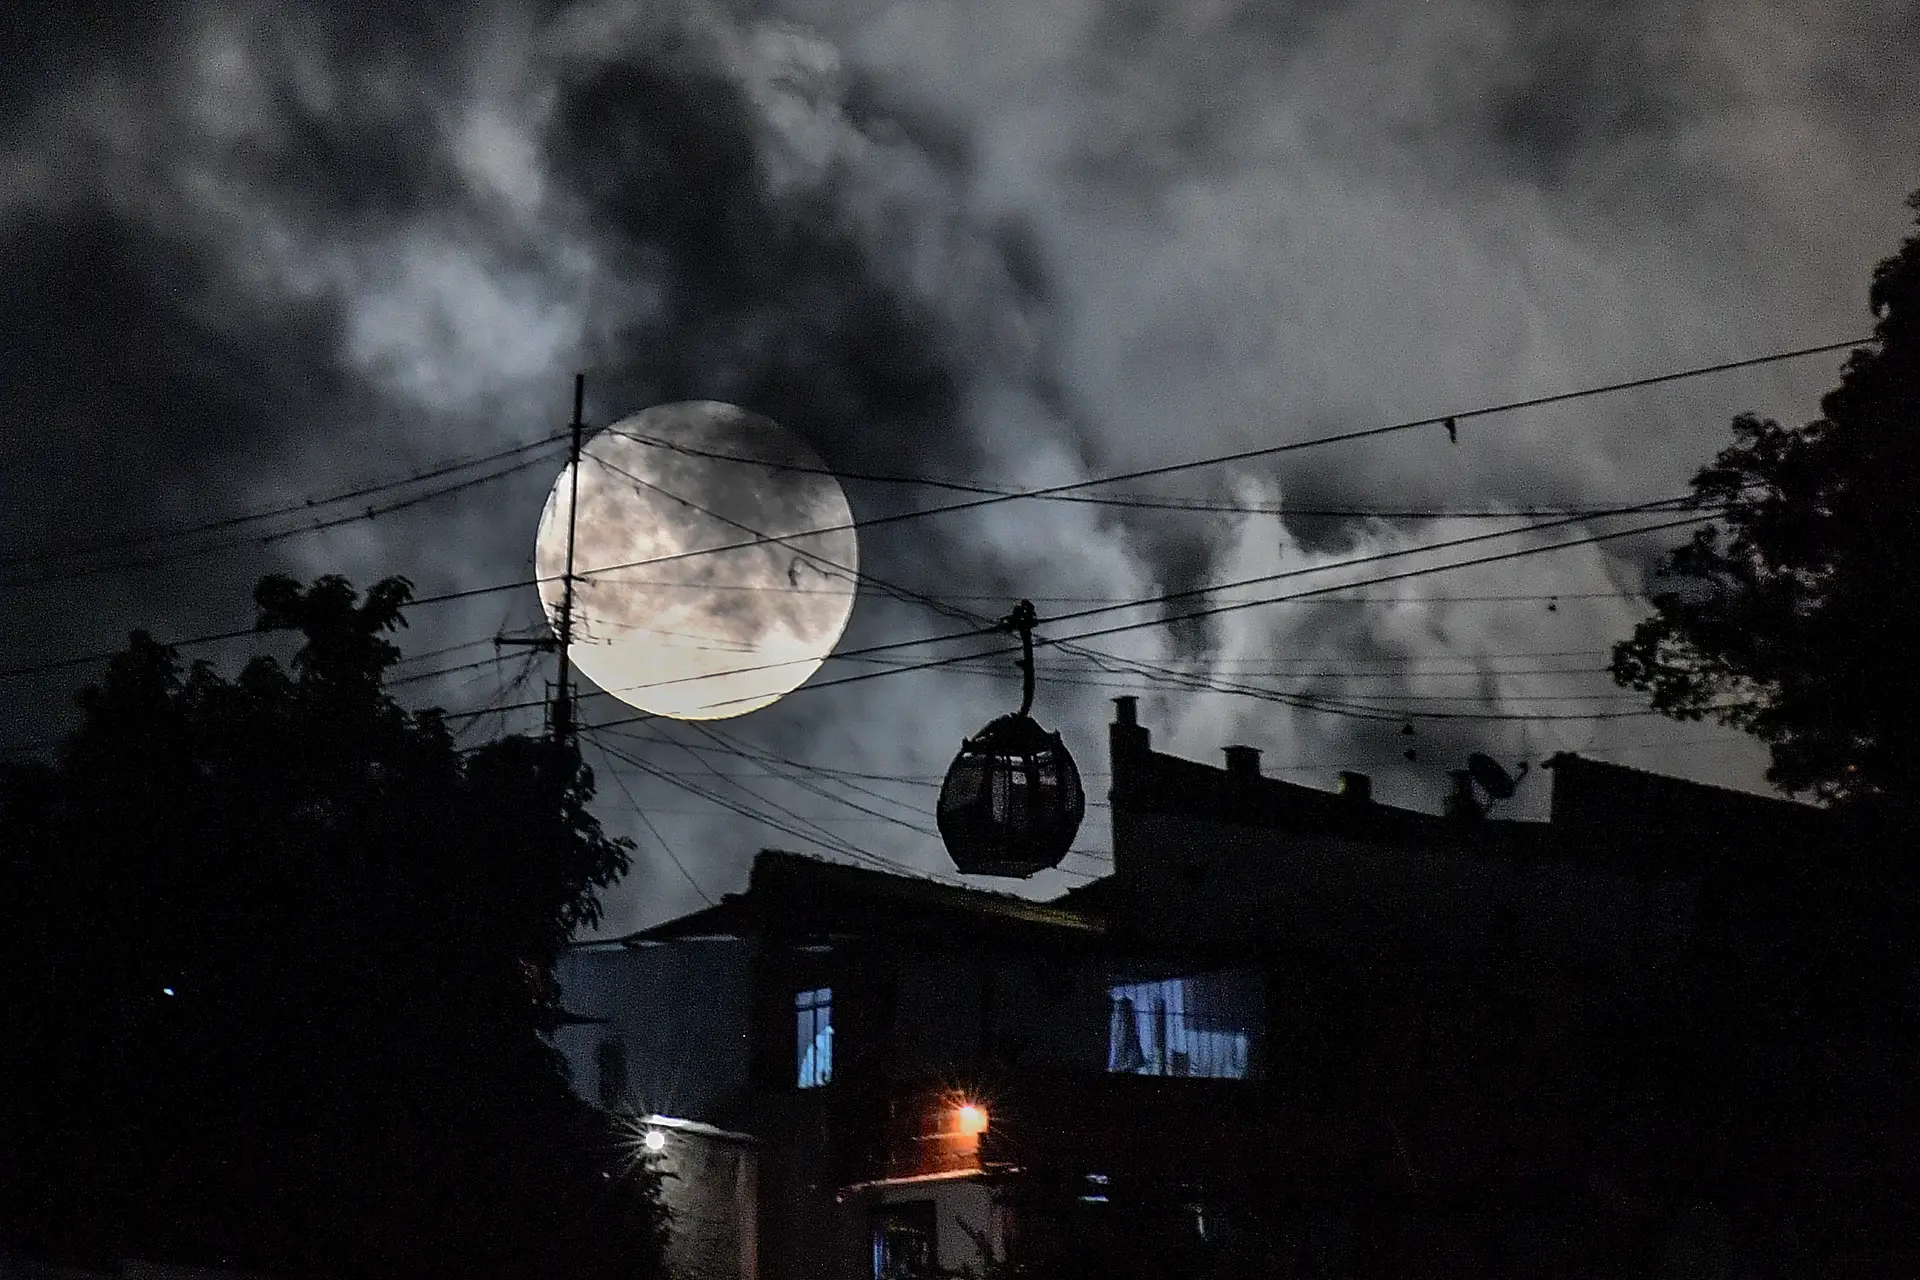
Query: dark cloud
x=141, y=391
x=770, y=304
x=158, y=374
x=380, y=159
x=255, y=252
x=1583, y=84
x=50, y=45
x=888, y=113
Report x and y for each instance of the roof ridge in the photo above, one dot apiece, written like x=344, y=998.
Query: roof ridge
x=1036, y=911
x=1674, y=780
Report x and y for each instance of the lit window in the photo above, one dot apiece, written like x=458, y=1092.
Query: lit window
x=813, y=1036
x=904, y=1239
x=1173, y=1028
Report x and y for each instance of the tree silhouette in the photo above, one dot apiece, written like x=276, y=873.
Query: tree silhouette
x=1794, y=616
x=280, y=956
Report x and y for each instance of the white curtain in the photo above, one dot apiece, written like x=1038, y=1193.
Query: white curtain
x=1176, y=1027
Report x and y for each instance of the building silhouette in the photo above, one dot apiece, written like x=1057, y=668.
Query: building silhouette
x=1297, y=1032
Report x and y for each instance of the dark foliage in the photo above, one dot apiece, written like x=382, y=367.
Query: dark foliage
x=279, y=956
x=1794, y=616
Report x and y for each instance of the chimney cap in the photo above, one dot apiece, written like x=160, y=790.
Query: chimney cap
x=1243, y=761
x=1126, y=709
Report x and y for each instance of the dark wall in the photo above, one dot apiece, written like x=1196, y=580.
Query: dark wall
x=682, y=1012
x=711, y=1187
x=938, y=1006
x=994, y=1007
x=1209, y=884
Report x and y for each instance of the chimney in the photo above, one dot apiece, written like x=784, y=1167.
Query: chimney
x=1128, y=741
x=1355, y=788
x=1243, y=762
x=1133, y=781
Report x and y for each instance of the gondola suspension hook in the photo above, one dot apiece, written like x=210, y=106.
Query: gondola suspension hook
x=1021, y=621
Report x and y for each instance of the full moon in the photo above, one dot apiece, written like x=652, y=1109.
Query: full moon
x=665, y=620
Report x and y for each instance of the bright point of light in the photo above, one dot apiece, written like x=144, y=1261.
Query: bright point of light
x=655, y=1140
x=971, y=1118
x=166, y=991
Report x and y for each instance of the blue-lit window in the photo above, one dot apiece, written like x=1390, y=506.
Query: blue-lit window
x=905, y=1238
x=813, y=1036
x=1178, y=1027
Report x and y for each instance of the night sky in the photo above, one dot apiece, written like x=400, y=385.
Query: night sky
x=256, y=254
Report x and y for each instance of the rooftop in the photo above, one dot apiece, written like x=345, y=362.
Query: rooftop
x=1600, y=812
x=793, y=893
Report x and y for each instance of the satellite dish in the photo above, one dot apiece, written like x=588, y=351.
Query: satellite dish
x=1492, y=779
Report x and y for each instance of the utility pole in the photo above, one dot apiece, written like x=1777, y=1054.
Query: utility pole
x=561, y=724
x=563, y=696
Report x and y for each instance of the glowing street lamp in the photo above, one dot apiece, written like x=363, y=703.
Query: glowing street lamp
x=970, y=1118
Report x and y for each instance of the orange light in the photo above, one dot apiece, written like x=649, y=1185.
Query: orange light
x=971, y=1119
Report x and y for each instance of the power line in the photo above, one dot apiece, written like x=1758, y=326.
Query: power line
x=1393, y=669
x=818, y=561
x=1140, y=501
x=816, y=768
x=1307, y=702
x=1292, y=765
x=916, y=597
x=147, y=537
x=826, y=840
x=1520, y=598
x=933, y=603
x=1268, y=451
x=484, y=709
x=497, y=704
x=790, y=817
x=725, y=746
x=65, y=575
x=777, y=807
x=821, y=563
x=1357, y=700
x=1215, y=589
x=1073, y=486
x=776, y=762
x=1473, y=562
x=445, y=651
x=647, y=820
x=219, y=637
x=1234, y=606
x=442, y=672
x=1494, y=558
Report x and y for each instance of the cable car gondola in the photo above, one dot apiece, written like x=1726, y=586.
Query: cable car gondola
x=1012, y=800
